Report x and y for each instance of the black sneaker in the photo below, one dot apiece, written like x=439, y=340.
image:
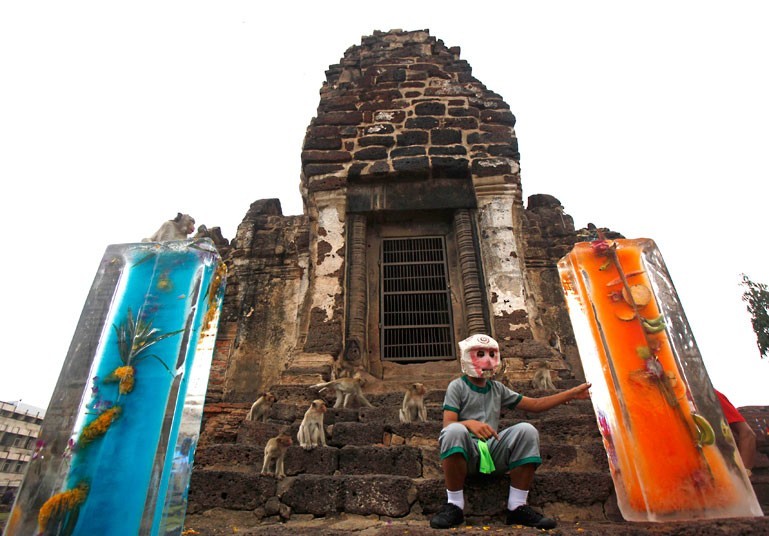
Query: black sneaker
x=526, y=515
x=450, y=515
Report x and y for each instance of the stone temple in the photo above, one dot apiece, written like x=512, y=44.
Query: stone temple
x=415, y=234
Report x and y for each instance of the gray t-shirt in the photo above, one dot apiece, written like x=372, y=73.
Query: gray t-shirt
x=483, y=404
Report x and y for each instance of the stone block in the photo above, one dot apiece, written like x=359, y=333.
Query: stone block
x=325, y=157
x=356, y=433
x=398, y=460
x=444, y=167
x=445, y=136
x=317, y=461
x=314, y=494
x=449, y=150
x=381, y=495
x=377, y=130
x=412, y=137
x=430, y=108
x=371, y=153
x=414, y=150
x=503, y=117
x=487, y=167
x=339, y=118
x=416, y=167
x=229, y=489
x=424, y=123
x=321, y=169
x=322, y=143
x=465, y=112
x=465, y=123
x=384, y=141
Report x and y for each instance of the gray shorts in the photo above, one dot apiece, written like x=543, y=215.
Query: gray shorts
x=517, y=445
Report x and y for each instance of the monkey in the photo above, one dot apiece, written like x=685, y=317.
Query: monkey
x=214, y=233
x=542, y=379
x=176, y=229
x=413, y=407
x=349, y=361
x=275, y=450
x=346, y=389
x=311, y=433
x=261, y=408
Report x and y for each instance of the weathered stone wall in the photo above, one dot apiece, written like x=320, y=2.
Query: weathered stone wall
x=261, y=318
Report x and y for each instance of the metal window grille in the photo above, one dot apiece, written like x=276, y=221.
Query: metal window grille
x=415, y=305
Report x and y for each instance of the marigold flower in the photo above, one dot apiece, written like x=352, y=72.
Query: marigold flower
x=99, y=426
x=61, y=504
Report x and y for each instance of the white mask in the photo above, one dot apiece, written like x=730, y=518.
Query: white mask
x=479, y=356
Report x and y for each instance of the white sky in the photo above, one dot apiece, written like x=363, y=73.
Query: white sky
x=649, y=118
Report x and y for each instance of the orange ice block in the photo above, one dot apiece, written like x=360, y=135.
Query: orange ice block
x=671, y=453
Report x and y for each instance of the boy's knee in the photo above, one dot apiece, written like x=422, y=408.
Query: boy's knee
x=454, y=430
x=527, y=432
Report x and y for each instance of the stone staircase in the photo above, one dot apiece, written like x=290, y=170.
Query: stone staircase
x=377, y=474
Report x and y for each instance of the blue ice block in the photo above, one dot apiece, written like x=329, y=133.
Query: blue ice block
x=120, y=432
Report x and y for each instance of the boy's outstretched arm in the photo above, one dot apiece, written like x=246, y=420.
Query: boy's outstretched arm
x=536, y=405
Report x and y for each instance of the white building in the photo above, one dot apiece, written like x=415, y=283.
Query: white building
x=19, y=428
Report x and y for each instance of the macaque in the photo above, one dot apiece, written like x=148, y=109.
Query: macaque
x=261, y=408
x=346, y=389
x=311, y=433
x=349, y=361
x=176, y=229
x=413, y=408
x=275, y=450
x=542, y=379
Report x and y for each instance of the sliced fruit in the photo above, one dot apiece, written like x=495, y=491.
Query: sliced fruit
x=625, y=314
x=641, y=295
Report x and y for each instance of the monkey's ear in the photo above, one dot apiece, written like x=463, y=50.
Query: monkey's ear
x=178, y=217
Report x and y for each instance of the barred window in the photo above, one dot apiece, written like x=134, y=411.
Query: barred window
x=415, y=302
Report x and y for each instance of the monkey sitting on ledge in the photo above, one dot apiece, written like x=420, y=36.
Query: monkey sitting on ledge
x=176, y=229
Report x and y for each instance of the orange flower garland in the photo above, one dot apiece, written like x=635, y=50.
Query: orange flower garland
x=61, y=504
x=126, y=376
x=99, y=426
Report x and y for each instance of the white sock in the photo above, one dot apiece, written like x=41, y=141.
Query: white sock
x=516, y=498
x=457, y=498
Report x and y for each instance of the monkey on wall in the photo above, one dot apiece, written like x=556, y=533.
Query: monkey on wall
x=261, y=408
x=176, y=229
x=346, y=389
x=542, y=379
x=349, y=361
x=413, y=407
x=275, y=451
x=311, y=433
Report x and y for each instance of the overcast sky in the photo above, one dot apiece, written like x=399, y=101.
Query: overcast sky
x=649, y=118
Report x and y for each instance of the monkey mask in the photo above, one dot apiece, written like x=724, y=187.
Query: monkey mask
x=479, y=356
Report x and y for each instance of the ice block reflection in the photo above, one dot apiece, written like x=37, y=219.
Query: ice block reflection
x=671, y=453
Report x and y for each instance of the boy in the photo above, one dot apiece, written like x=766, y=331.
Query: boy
x=469, y=438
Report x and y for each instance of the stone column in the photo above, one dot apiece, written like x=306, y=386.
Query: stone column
x=469, y=266
x=498, y=206
x=356, y=284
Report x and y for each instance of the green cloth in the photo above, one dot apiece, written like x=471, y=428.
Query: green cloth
x=487, y=464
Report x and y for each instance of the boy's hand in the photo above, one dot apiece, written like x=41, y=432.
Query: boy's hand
x=580, y=392
x=480, y=429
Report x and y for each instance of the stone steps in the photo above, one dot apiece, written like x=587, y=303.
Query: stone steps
x=376, y=468
x=584, y=494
